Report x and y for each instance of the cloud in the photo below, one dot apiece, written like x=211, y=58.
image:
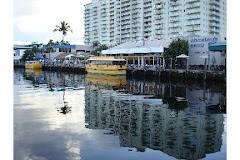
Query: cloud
x=39, y=18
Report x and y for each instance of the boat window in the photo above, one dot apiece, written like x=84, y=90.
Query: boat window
x=119, y=63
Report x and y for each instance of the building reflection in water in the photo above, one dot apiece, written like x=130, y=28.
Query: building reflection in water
x=172, y=118
x=146, y=115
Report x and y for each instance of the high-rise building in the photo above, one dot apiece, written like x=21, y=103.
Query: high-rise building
x=113, y=22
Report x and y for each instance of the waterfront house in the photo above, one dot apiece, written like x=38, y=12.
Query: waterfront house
x=60, y=49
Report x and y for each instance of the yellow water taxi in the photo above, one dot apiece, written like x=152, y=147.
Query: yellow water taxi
x=33, y=64
x=106, y=66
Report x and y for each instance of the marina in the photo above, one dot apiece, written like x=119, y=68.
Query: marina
x=167, y=74
x=120, y=80
x=81, y=116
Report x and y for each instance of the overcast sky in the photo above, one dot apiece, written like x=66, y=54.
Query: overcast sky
x=34, y=20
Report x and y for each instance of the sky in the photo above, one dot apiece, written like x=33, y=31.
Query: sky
x=35, y=20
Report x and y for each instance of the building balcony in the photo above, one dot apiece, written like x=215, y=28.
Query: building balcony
x=214, y=24
x=135, y=30
x=124, y=9
x=147, y=29
x=135, y=3
x=214, y=18
x=192, y=1
x=214, y=31
x=174, y=20
x=174, y=31
x=157, y=17
x=147, y=24
x=214, y=8
x=192, y=17
x=174, y=9
x=195, y=5
x=174, y=3
x=174, y=25
x=147, y=34
x=158, y=6
x=214, y=13
x=158, y=27
x=193, y=28
x=158, y=12
x=193, y=11
x=173, y=14
x=193, y=23
x=214, y=2
x=125, y=13
x=147, y=11
x=158, y=32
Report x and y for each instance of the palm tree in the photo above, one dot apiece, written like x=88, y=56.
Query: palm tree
x=64, y=28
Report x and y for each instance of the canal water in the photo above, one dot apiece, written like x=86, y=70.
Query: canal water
x=61, y=116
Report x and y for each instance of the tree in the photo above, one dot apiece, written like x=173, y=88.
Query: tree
x=49, y=46
x=64, y=28
x=95, y=43
x=176, y=48
x=29, y=54
x=99, y=48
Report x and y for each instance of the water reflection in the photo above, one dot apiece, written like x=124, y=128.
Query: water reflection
x=95, y=117
x=171, y=118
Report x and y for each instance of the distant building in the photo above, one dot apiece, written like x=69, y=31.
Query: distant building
x=113, y=22
x=78, y=49
x=18, y=51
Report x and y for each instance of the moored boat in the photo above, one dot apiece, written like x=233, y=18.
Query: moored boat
x=106, y=66
x=33, y=65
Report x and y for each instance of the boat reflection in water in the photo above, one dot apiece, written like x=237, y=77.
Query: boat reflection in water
x=105, y=80
x=172, y=124
x=33, y=72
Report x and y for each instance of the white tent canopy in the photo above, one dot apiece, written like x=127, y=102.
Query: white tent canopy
x=182, y=56
x=70, y=55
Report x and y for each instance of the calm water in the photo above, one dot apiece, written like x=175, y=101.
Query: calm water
x=61, y=116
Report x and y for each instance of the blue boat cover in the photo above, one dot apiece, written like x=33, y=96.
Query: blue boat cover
x=38, y=56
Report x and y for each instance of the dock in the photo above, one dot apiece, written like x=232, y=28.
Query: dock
x=148, y=72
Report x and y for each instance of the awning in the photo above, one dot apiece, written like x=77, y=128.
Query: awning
x=65, y=46
x=219, y=46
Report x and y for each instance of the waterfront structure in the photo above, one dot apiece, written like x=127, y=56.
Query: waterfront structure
x=140, y=53
x=113, y=22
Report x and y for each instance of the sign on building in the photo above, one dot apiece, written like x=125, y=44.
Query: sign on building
x=198, y=46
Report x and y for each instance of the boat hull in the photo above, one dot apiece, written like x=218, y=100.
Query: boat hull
x=36, y=65
x=115, y=70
